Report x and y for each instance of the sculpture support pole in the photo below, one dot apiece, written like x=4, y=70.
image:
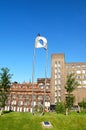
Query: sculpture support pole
x=39, y=45
x=46, y=66
x=33, y=72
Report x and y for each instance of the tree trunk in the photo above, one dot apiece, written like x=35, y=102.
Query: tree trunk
x=1, y=111
x=67, y=111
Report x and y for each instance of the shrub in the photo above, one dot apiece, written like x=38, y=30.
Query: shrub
x=83, y=111
x=60, y=108
x=4, y=112
x=82, y=104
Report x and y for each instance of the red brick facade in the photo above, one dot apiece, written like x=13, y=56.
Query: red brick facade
x=21, y=96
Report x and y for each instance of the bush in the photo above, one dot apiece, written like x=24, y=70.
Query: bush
x=38, y=109
x=83, y=111
x=60, y=108
x=4, y=112
x=82, y=104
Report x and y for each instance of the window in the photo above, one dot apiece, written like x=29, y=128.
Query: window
x=55, y=65
x=59, y=94
x=14, y=96
x=84, y=71
x=59, y=65
x=55, y=94
x=84, y=82
x=59, y=76
x=84, y=76
x=21, y=86
x=40, y=98
x=7, y=102
x=47, y=86
x=78, y=66
x=59, y=87
x=55, y=71
x=26, y=96
x=84, y=86
x=14, y=102
x=59, y=99
x=47, y=104
x=20, y=96
x=78, y=72
x=79, y=81
x=47, y=98
x=41, y=85
x=20, y=103
x=40, y=102
x=72, y=66
x=34, y=97
x=14, y=86
x=25, y=109
x=79, y=87
x=59, y=70
x=25, y=103
x=72, y=71
x=55, y=100
x=66, y=67
x=55, y=76
x=55, y=82
x=59, y=82
x=55, y=88
x=78, y=76
x=83, y=66
x=58, y=62
x=55, y=62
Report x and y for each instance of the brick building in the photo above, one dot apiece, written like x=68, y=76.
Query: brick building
x=20, y=98
x=24, y=98
x=79, y=69
x=59, y=71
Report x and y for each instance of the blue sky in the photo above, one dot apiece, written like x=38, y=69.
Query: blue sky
x=62, y=22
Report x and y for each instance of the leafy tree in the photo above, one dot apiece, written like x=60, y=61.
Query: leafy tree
x=70, y=86
x=82, y=104
x=4, y=86
x=60, y=107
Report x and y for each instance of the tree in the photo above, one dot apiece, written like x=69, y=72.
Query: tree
x=70, y=86
x=4, y=86
x=60, y=107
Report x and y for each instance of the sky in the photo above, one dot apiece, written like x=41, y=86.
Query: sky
x=61, y=22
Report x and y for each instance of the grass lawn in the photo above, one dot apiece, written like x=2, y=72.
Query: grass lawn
x=26, y=121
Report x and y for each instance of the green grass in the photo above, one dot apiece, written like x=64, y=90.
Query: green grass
x=27, y=121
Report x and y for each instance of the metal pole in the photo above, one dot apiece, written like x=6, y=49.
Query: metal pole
x=33, y=71
x=46, y=66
